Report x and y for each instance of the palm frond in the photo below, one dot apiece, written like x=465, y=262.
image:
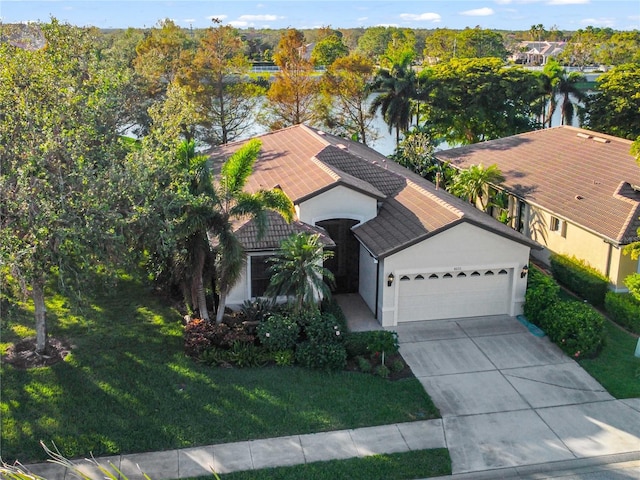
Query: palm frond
x=238, y=167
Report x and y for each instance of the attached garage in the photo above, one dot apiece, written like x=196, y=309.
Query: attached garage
x=454, y=294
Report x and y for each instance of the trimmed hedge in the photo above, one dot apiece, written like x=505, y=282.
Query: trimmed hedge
x=623, y=309
x=575, y=327
x=542, y=292
x=580, y=278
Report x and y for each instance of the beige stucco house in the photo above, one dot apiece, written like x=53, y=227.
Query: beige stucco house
x=412, y=251
x=575, y=191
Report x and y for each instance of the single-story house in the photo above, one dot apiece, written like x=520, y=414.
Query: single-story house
x=537, y=53
x=575, y=191
x=411, y=250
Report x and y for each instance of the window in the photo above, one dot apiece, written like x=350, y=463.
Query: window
x=259, y=276
x=558, y=226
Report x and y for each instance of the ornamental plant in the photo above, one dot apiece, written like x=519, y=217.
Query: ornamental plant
x=278, y=333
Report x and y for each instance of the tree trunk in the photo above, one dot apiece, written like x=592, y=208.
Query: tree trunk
x=221, y=306
x=199, y=285
x=41, y=321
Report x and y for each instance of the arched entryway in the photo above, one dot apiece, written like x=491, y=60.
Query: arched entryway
x=345, y=263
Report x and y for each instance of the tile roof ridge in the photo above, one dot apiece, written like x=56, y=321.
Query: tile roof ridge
x=326, y=168
x=314, y=132
x=436, y=198
x=339, y=175
x=620, y=196
x=633, y=214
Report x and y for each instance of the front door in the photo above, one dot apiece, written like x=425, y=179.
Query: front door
x=346, y=259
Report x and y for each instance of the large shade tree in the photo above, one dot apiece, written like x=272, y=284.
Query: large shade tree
x=61, y=211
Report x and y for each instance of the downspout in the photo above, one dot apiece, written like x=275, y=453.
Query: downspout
x=608, y=265
x=375, y=313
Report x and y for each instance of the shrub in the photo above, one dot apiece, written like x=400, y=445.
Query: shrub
x=284, y=358
x=580, y=278
x=201, y=335
x=247, y=355
x=214, y=356
x=321, y=356
x=257, y=310
x=382, y=371
x=633, y=284
x=278, y=333
x=397, y=365
x=323, y=328
x=364, y=365
x=575, y=327
x=367, y=343
x=331, y=307
x=623, y=309
x=542, y=293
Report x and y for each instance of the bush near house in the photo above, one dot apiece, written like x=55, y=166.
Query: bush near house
x=580, y=278
x=574, y=326
x=623, y=309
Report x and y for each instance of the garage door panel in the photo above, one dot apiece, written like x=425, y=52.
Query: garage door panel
x=454, y=294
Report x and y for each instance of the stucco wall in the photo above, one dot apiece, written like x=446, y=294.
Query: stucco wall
x=368, y=270
x=465, y=247
x=339, y=202
x=582, y=244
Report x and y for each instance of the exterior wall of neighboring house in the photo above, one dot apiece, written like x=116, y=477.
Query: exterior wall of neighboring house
x=462, y=248
x=566, y=238
x=338, y=202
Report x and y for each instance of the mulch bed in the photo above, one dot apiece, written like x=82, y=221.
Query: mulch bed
x=22, y=355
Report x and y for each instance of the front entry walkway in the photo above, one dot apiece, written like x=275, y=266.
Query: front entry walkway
x=510, y=399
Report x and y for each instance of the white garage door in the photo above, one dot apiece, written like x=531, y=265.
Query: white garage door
x=454, y=294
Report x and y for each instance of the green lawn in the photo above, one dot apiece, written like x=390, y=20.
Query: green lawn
x=127, y=387
x=616, y=368
x=396, y=466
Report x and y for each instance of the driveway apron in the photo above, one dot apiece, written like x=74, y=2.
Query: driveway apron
x=509, y=398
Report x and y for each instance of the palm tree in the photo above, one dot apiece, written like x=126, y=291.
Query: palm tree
x=398, y=87
x=471, y=183
x=567, y=88
x=297, y=270
x=195, y=218
x=233, y=205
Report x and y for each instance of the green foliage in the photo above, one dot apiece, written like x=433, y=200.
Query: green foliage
x=472, y=183
x=244, y=355
x=278, y=333
x=542, y=293
x=257, y=310
x=397, y=365
x=624, y=309
x=364, y=365
x=382, y=371
x=580, y=278
x=575, y=327
x=368, y=343
x=214, y=356
x=328, y=50
x=633, y=284
x=298, y=271
x=614, y=107
x=284, y=358
x=321, y=356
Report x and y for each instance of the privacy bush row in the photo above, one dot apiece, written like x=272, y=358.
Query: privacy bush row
x=623, y=309
x=574, y=326
x=580, y=278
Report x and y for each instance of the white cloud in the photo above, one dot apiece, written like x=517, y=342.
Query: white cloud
x=258, y=18
x=362, y=19
x=421, y=17
x=567, y=2
x=238, y=24
x=478, y=12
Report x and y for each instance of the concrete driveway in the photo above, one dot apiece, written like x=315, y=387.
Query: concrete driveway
x=509, y=398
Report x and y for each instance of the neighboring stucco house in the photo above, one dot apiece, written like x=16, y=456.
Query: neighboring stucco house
x=412, y=251
x=537, y=53
x=575, y=191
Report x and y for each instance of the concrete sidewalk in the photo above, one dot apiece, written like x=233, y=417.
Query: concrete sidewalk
x=266, y=453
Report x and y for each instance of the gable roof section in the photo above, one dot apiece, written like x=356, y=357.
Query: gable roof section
x=575, y=174
x=304, y=162
x=278, y=230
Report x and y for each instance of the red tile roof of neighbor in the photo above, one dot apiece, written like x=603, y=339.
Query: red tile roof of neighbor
x=579, y=175
x=304, y=162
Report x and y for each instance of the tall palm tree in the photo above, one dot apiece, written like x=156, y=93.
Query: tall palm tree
x=471, y=183
x=571, y=94
x=234, y=204
x=196, y=216
x=297, y=270
x=398, y=87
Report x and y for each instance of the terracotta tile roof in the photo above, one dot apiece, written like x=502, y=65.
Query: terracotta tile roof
x=278, y=230
x=579, y=175
x=304, y=162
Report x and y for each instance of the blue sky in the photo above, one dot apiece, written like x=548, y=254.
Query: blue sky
x=457, y=14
